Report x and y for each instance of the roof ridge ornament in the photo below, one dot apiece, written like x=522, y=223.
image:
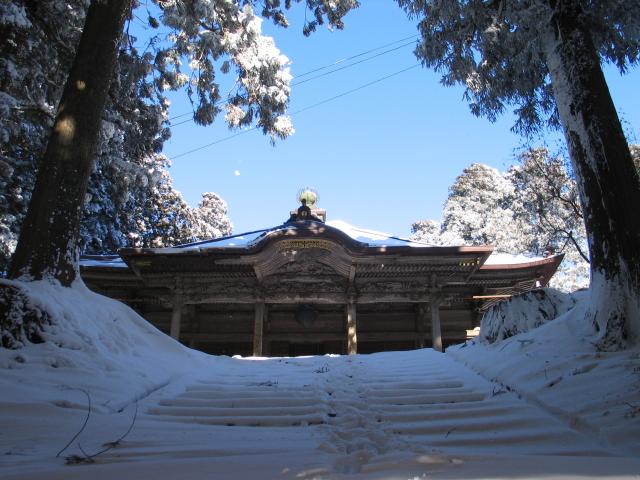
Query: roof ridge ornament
x=309, y=195
x=308, y=210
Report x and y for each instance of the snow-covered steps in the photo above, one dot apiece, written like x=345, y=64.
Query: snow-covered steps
x=241, y=405
x=353, y=411
x=424, y=398
x=456, y=411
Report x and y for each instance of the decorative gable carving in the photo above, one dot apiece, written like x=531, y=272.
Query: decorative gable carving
x=304, y=268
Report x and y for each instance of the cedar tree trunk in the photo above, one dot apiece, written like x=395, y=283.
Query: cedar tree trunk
x=607, y=180
x=47, y=247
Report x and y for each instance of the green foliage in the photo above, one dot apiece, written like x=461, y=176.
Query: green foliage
x=20, y=320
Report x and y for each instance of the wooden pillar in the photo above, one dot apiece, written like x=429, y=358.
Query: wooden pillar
x=194, y=324
x=176, y=316
x=258, y=328
x=436, y=332
x=421, y=320
x=266, y=344
x=352, y=337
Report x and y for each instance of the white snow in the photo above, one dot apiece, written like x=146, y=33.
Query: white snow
x=525, y=312
x=542, y=404
x=240, y=240
x=244, y=240
x=107, y=261
x=372, y=237
x=509, y=259
x=363, y=235
x=557, y=367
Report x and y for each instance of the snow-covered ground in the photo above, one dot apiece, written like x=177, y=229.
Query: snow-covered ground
x=541, y=404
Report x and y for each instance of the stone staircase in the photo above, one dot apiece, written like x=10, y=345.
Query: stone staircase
x=361, y=407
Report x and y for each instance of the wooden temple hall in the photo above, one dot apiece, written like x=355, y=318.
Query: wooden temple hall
x=308, y=287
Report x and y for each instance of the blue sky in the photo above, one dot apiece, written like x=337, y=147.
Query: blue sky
x=381, y=157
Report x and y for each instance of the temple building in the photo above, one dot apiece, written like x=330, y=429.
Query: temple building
x=310, y=287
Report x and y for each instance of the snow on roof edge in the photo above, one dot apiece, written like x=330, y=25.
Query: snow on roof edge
x=245, y=239
x=510, y=259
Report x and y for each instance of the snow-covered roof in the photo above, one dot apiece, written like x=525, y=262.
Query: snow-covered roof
x=372, y=237
x=240, y=240
x=367, y=237
x=102, y=261
x=509, y=259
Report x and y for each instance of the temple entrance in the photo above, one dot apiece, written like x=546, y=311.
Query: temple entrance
x=309, y=288
x=304, y=329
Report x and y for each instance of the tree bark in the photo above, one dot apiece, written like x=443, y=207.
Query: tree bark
x=48, y=244
x=607, y=180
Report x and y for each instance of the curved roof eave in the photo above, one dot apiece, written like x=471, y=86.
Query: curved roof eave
x=551, y=260
x=306, y=229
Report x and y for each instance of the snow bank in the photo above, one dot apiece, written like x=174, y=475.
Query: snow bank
x=558, y=367
x=389, y=415
x=524, y=312
x=88, y=336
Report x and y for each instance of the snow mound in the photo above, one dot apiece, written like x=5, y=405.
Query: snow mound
x=524, y=312
x=88, y=335
x=558, y=367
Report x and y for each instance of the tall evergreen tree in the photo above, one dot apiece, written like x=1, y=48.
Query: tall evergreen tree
x=544, y=57
x=480, y=209
x=49, y=236
x=211, y=219
x=41, y=40
x=129, y=180
x=549, y=202
x=205, y=32
x=164, y=219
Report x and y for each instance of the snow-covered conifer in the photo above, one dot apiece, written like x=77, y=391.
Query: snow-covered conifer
x=531, y=209
x=38, y=44
x=41, y=41
x=210, y=217
x=549, y=203
x=211, y=35
x=480, y=211
x=164, y=219
x=432, y=233
x=426, y=231
x=544, y=58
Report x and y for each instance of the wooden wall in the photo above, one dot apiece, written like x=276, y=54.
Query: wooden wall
x=227, y=329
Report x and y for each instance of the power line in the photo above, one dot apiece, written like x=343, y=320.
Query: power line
x=329, y=65
x=337, y=62
x=189, y=120
x=224, y=139
x=351, y=64
x=353, y=90
x=309, y=107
